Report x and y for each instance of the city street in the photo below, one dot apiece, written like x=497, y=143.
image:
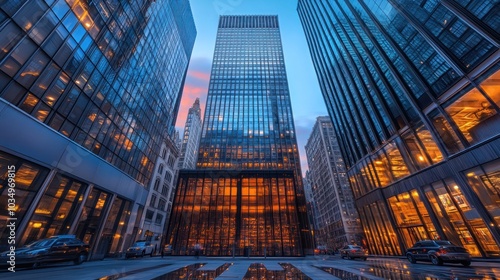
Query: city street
x=317, y=267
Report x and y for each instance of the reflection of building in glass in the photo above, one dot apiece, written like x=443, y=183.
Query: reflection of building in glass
x=337, y=219
x=311, y=206
x=413, y=90
x=246, y=197
x=85, y=98
x=161, y=194
x=191, y=137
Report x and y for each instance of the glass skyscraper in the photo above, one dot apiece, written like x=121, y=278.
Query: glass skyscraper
x=246, y=197
x=413, y=90
x=88, y=91
x=191, y=137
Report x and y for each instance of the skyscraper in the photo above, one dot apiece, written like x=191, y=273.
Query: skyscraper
x=85, y=100
x=191, y=137
x=412, y=88
x=246, y=198
x=336, y=215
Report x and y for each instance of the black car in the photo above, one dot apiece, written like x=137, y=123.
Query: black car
x=58, y=248
x=438, y=252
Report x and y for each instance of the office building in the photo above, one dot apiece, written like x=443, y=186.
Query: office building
x=191, y=137
x=412, y=88
x=158, y=206
x=336, y=215
x=85, y=98
x=246, y=196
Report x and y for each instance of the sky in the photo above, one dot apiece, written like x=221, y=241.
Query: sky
x=305, y=94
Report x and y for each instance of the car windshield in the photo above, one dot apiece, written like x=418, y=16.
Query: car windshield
x=41, y=243
x=441, y=242
x=138, y=244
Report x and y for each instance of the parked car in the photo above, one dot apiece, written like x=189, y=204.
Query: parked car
x=353, y=251
x=59, y=248
x=323, y=250
x=438, y=252
x=167, y=249
x=139, y=249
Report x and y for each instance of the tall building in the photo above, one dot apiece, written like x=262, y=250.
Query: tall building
x=412, y=88
x=336, y=215
x=311, y=206
x=246, y=197
x=85, y=98
x=158, y=206
x=191, y=137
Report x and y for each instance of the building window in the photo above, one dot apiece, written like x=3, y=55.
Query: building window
x=171, y=161
x=149, y=215
x=157, y=184
x=474, y=116
x=161, y=204
x=168, y=177
x=164, y=153
x=164, y=190
x=153, y=201
x=159, y=218
x=160, y=169
x=28, y=178
x=56, y=210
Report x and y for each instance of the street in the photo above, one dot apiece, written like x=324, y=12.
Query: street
x=312, y=267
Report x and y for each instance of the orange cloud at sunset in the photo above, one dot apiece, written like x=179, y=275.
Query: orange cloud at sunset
x=196, y=86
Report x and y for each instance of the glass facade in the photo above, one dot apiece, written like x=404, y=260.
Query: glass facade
x=86, y=101
x=248, y=125
x=412, y=89
x=91, y=70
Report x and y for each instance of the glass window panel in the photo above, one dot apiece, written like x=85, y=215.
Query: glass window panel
x=479, y=228
x=29, y=178
x=29, y=103
x=33, y=69
x=14, y=93
x=10, y=34
x=492, y=87
x=18, y=57
x=30, y=13
x=431, y=148
x=41, y=112
x=475, y=116
x=56, y=210
x=448, y=136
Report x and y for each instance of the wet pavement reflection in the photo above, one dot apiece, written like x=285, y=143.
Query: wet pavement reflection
x=192, y=272
x=289, y=272
x=400, y=269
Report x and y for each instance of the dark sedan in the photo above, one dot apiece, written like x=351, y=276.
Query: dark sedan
x=54, y=249
x=438, y=252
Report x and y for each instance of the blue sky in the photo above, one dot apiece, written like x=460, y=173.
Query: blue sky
x=307, y=102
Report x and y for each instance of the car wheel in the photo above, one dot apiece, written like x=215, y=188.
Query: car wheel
x=151, y=254
x=466, y=263
x=142, y=254
x=349, y=257
x=80, y=259
x=364, y=259
x=411, y=259
x=436, y=261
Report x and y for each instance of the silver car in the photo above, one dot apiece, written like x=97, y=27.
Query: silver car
x=353, y=251
x=140, y=249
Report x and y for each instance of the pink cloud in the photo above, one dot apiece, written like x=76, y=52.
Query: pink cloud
x=199, y=75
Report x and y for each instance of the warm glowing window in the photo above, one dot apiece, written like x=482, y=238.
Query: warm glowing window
x=492, y=87
x=475, y=116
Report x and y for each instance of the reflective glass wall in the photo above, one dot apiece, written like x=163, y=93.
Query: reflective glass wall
x=411, y=86
x=248, y=125
x=86, y=69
